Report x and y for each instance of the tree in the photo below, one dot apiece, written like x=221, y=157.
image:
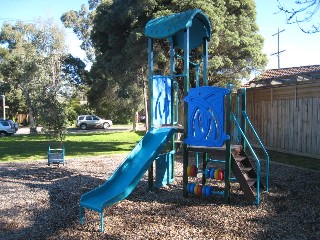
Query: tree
x=74, y=71
x=235, y=49
x=32, y=60
x=117, y=35
x=52, y=114
x=303, y=13
x=81, y=24
x=14, y=98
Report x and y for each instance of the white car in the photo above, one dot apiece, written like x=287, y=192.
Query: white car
x=92, y=121
x=6, y=128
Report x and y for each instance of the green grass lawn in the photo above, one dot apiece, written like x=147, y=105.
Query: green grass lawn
x=35, y=147
x=295, y=160
x=290, y=159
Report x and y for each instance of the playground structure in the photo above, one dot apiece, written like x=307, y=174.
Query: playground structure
x=206, y=129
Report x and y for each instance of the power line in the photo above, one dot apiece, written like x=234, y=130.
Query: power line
x=278, y=52
x=15, y=20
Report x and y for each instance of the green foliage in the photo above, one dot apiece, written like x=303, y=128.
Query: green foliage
x=33, y=65
x=52, y=116
x=14, y=98
x=81, y=23
x=74, y=70
x=235, y=49
x=115, y=100
x=117, y=35
x=35, y=69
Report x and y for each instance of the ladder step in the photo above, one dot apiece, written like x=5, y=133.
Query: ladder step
x=245, y=169
x=240, y=158
x=251, y=182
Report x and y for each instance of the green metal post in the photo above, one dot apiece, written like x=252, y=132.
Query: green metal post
x=204, y=166
x=150, y=108
x=243, y=119
x=205, y=62
x=150, y=81
x=172, y=70
x=185, y=120
x=205, y=83
x=228, y=149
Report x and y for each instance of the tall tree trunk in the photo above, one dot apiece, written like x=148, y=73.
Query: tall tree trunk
x=134, y=121
x=33, y=126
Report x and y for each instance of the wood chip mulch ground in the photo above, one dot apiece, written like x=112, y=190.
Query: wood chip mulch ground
x=42, y=202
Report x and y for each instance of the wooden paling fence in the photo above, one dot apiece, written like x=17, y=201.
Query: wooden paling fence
x=287, y=118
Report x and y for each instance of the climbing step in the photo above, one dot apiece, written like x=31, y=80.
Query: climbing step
x=245, y=173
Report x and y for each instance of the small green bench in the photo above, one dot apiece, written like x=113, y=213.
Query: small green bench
x=56, y=155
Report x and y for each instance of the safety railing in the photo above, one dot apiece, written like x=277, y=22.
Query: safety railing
x=258, y=168
x=247, y=120
x=262, y=147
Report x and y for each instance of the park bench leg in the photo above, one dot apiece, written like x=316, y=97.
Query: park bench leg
x=81, y=215
x=101, y=222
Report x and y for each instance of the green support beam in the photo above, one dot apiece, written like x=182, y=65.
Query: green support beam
x=185, y=120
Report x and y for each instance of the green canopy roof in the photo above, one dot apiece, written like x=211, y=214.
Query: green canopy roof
x=175, y=24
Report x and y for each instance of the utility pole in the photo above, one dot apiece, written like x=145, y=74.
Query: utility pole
x=278, y=52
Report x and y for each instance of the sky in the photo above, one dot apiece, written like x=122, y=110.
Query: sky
x=30, y=10
x=300, y=49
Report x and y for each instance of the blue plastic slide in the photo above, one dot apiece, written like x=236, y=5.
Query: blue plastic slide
x=129, y=173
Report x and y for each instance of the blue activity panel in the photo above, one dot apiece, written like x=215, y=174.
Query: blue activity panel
x=161, y=100
x=206, y=116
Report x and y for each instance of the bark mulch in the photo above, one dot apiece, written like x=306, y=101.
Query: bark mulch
x=42, y=202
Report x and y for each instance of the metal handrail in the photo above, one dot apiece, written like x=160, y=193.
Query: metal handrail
x=253, y=153
x=236, y=133
x=263, y=148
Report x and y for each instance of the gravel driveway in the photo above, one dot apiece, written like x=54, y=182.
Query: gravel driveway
x=42, y=202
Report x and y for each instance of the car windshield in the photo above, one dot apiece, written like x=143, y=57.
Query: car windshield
x=5, y=124
x=95, y=118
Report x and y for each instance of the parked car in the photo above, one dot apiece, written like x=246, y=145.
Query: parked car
x=142, y=119
x=6, y=128
x=14, y=124
x=92, y=121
